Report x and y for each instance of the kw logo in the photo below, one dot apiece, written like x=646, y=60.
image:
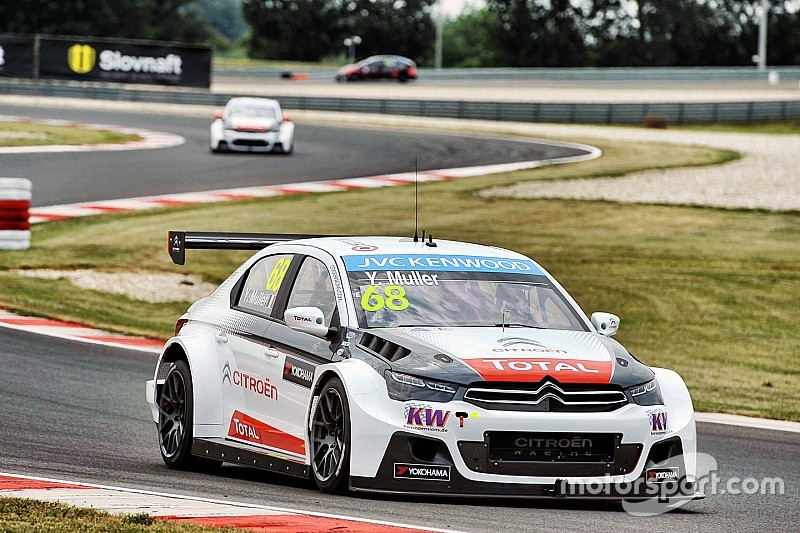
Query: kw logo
x=81, y=58
x=658, y=422
x=426, y=418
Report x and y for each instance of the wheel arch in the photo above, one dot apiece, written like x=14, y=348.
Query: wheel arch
x=204, y=371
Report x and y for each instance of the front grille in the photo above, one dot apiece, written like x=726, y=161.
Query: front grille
x=548, y=397
x=550, y=454
x=250, y=142
x=551, y=447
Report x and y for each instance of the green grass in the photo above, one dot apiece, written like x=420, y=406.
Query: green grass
x=22, y=515
x=33, y=134
x=710, y=293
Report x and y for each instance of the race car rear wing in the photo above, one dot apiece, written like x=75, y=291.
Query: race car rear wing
x=180, y=241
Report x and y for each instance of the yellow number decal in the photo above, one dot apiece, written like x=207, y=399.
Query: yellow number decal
x=277, y=274
x=394, y=297
x=369, y=296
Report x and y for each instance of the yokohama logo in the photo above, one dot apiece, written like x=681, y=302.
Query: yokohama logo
x=534, y=369
x=660, y=475
x=429, y=472
x=298, y=372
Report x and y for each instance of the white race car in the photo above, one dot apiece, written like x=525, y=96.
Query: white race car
x=394, y=365
x=252, y=125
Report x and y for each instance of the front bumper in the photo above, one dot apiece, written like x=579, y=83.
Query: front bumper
x=383, y=441
x=440, y=476
x=252, y=142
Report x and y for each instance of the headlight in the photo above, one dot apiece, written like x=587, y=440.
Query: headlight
x=403, y=387
x=647, y=394
x=275, y=128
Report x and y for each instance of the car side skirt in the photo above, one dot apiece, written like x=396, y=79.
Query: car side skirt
x=213, y=449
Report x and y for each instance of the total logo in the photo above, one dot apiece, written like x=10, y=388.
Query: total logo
x=544, y=366
x=429, y=472
x=658, y=422
x=82, y=58
x=426, y=418
x=521, y=369
x=242, y=429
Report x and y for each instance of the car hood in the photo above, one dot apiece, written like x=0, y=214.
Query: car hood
x=251, y=123
x=515, y=355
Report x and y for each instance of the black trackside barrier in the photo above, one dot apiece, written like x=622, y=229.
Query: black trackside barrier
x=16, y=57
x=93, y=60
x=180, y=241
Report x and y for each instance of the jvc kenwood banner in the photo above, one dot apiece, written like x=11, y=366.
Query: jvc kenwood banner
x=16, y=57
x=91, y=60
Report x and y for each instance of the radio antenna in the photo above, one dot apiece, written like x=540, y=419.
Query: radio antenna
x=416, y=200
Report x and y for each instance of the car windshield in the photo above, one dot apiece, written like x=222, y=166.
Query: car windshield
x=252, y=111
x=489, y=294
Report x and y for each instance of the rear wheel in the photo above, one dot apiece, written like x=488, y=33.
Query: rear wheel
x=175, y=416
x=330, y=439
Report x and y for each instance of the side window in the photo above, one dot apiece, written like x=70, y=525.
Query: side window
x=313, y=288
x=263, y=281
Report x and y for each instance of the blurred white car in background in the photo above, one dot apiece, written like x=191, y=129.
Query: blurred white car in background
x=252, y=125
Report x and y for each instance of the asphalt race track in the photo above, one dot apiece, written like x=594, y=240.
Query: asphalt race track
x=321, y=153
x=77, y=412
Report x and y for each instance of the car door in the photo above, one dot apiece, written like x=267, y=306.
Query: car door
x=300, y=353
x=250, y=372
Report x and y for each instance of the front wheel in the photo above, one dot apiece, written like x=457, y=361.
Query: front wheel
x=175, y=416
x=330, y=439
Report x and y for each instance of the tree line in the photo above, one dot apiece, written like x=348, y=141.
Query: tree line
x=512, y=33
x=621, y=33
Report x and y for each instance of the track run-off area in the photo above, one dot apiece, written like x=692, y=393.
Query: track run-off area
x=76, y=412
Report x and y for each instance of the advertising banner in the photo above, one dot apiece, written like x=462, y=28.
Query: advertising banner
x=16, y=57
x=112, y=62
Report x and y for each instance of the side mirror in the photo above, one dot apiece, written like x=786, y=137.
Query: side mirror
x=605, y=323
x=218, y=116
x=287, y=118
x=306, y=319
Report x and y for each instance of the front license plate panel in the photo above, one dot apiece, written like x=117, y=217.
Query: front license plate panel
x=561, y=447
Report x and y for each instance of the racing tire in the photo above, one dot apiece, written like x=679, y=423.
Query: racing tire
x=175, y=416
x=330, y=439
